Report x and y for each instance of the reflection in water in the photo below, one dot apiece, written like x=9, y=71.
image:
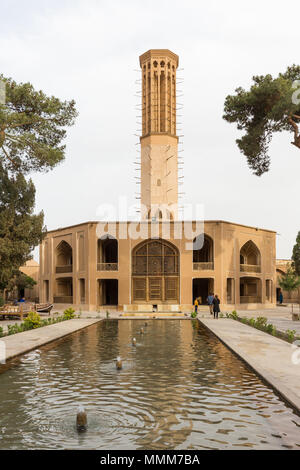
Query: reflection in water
x=179, y=388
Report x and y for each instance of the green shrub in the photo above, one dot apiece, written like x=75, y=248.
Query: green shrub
x=68, y=314
x=234, y=315
x=13, y=329
x=261, y=324
x=1, y=301
x=261, y=321
x=270, y=329
x=291, y=335
x=32, y=321
x=274, y=331
x=194, y=314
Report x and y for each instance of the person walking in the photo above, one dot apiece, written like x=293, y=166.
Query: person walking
x=196, y=303
x=210, y=299
x=216, y=306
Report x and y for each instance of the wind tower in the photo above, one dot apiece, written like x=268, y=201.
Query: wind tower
x=159, y=142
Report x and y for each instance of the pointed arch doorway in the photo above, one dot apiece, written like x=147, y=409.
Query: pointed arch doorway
x=155, y=273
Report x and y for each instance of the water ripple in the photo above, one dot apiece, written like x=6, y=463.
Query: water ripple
x=179, y=388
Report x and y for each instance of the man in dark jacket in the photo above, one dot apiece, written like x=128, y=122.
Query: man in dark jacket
x=210, y=299
x=216, y=306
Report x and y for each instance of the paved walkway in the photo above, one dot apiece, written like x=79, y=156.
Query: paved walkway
x=270, y=357
x=277, y=312
x=281, y=317
x=21, y=343
x=284, y=324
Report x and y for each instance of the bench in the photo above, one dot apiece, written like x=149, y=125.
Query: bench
x=20, y=310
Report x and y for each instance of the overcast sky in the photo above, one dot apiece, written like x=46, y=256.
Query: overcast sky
x=88, y=51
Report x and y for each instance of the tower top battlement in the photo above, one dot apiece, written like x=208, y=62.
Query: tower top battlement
x=159, y=92
x=158, y=54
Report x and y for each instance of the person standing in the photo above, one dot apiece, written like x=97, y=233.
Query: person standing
x=216, y=306
x=196, y=303
x=210, y=299
x=280, y=297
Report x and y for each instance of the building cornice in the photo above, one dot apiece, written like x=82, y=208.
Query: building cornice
x=171, y=222
x=157, y=53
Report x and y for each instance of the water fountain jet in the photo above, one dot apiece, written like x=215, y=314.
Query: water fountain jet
x=81, y=419
x=119, y=363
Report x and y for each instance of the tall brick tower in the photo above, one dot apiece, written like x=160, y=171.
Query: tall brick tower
x=159, y=142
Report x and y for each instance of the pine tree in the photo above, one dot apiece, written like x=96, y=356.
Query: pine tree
x=20, y=229
x=296, y=255
x=296, y=260
x=271, y=105
x=32, y=130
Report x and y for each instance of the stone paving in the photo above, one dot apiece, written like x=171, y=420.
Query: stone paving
x=282, y=324
x=272, y=358
x=21, y=343
x=277, y=312
x=280, y=317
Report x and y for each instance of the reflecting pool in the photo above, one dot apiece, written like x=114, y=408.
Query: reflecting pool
x=179, y=388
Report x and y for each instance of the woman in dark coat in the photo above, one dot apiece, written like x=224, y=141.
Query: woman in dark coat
x=216, y=306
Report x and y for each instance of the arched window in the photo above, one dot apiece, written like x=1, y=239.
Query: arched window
x=203, y=252
x=64, y=258
x=107, y=254
x=155, y=271
x=250, y=259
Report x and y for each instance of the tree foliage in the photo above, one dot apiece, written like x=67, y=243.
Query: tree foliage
x=21, y=281
x=271, y=105
x=296, y=255
x=32, y=128
x=290, y=280
x=20, y=229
